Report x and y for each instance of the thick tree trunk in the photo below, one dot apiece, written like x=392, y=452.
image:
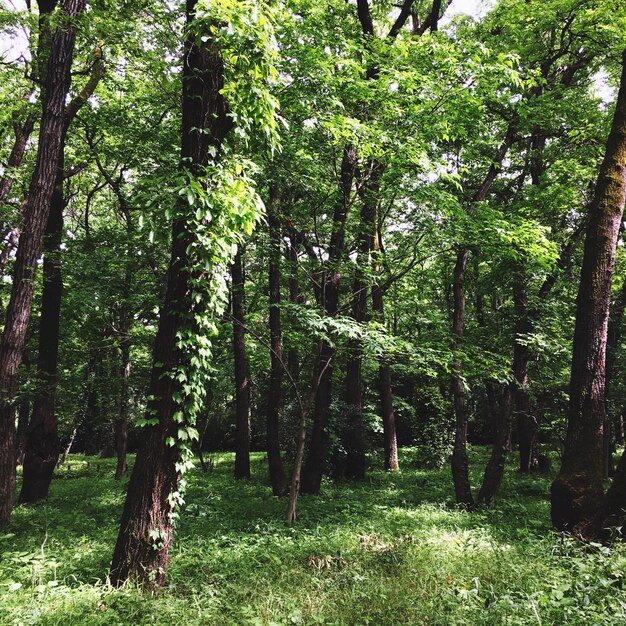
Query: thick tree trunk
x=460, y=464
x=316, y=460
x=577, y=491
x=145, y=537
x=492, y=478
x=242, y=377
x=36, y=211
x=274, y=400
x=42, y=440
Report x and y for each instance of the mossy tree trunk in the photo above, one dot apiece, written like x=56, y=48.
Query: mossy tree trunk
x=577, y=491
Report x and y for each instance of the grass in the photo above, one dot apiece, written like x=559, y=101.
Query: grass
x=392, y=550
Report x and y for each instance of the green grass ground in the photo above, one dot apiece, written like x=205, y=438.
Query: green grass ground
x=392, y=550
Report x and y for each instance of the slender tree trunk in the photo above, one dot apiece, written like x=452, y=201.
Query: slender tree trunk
x=36, y=213
x=385, y=392
x=22, y=134
x=242, y=376
x=274, y=400
x=460, y=465
x=526, y=423
x=10, y=244
x=295, y=298
x=494, y=472
x=301, y=437
x=577, y=491
x=145, y=537
x=121, y=429
x=355, y=439
x=316, y=460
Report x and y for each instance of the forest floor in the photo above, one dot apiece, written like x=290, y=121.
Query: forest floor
x=389, y=551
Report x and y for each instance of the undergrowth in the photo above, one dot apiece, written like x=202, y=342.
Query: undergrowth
x=391, y=550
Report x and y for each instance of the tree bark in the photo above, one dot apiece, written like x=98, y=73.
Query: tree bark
x=355, y=439
x=121, y=429
x=274, y=400
x=42, y=441
x=526, y=423
x=295, y=298
x=494, y=472
x=145, y=537
x=614, y=335
x=385, y=392
x=36, y=211
x=242, y=376
x=22, y=133
x=460, y=464
x=577, y=491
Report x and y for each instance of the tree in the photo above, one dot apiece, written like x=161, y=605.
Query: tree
x=215, y=207
x=42, y=445
x=36, y=211
x=577, y=491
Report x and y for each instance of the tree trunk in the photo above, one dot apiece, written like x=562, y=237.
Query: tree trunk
x=385, y=392
x=614, y=334
x=295, y=297
x=354, y=436
x=145, y=537
x=274, y=400
x=526, y=423
x=492, y=479
x=577, y=491
x=242, y=377
x=460, y=465
x=316, y=460
x=36, y=211
x=22, y=134
x=355, y=439
x=121, y=430
x=42, y=440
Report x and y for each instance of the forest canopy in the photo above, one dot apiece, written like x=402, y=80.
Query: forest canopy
x=349, y=239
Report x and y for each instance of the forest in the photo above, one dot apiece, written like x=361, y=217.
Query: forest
x=312, y=312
